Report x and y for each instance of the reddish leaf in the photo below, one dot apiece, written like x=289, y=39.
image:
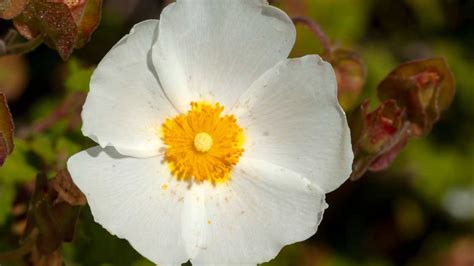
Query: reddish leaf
x=54, y=20
x=377, y=137
x=351, y=76
x=384, y=160
x=6, y=129
x=424, y=87
x=66, y=24
x=11, y=8
x=87, y=20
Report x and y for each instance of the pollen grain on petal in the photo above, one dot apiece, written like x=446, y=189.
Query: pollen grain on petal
x=201, y=144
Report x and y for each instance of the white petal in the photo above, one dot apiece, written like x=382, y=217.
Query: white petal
x=135, y=199
x=213, y=50
x=292, y=118
x=126, y=105
x=263, y=208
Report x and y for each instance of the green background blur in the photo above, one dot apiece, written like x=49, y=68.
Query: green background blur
x=418, y=212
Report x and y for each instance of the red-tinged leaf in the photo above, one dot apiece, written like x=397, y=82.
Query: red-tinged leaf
x=378, y=136
x=11, y=8
x=54, y=20
x=6, y=129
x=384, y=160
x=87, y=20
x=351, y=75
x=424, y=87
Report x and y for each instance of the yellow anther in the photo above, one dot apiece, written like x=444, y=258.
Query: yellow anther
x=202, y=144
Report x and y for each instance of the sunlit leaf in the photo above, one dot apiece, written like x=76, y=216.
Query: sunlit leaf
x=6, y=129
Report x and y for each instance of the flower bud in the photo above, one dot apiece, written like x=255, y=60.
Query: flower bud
x=424, y=87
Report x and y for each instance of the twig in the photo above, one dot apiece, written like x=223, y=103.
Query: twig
x=316, y=29
x=69, y=106
x=20, y=48
x=10, y=36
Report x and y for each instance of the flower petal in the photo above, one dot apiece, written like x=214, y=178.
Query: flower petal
x=291, y=117
x=135, y=199
x=213, y=50
x=263, y=208
x=126, y=105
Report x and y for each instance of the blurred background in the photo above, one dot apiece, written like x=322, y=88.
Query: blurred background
x=418, y=212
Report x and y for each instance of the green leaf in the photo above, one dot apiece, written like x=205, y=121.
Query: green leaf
x=7, y=196
x=79, y=77
x=19, y=167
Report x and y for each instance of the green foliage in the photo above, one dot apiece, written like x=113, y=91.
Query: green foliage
x=79, y=76
x=21, y=166
x=437, y=169
x=7, y=195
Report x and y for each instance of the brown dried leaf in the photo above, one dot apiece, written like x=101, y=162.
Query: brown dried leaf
x=11, y=8
x=55, y=220
x=67, y=190
x=55, y=258
x=424, y=87
x=6, y=129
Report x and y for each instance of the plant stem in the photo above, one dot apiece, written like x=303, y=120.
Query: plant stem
x=317, y=30
x=20, y=48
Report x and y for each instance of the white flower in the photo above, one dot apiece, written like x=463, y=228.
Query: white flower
x=214, y=147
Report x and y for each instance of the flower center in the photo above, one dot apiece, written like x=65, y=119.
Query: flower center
x=202, y=144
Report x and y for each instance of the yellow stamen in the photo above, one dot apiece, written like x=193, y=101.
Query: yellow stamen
x=202, y=144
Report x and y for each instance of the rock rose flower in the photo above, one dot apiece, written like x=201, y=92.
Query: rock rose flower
x=213, y=146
